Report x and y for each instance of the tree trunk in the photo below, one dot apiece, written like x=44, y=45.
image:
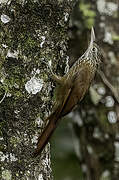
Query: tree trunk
x=31, y=33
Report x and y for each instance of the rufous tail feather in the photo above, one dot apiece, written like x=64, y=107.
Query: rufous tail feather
x=51, y=126
x=45, y=136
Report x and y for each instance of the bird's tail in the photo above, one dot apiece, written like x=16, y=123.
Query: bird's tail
x=51, y=126
x=45, y=136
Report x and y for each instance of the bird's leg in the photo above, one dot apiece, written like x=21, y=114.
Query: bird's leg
x=56, y=78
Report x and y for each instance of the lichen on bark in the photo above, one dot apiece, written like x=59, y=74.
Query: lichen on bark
x=31, y=32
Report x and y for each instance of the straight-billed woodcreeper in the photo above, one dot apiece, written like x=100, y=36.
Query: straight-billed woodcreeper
x=71, y=89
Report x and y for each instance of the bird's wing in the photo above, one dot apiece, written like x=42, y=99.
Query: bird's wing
x=79, y=85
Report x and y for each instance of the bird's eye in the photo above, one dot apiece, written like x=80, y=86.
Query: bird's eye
x=94, y=49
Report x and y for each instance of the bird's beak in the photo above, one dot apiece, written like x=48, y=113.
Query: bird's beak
x=91, y=41
x=92, y=37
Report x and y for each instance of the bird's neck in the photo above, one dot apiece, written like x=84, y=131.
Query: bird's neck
x=82, y=63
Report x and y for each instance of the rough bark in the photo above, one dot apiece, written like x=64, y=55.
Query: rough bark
x=31, y=32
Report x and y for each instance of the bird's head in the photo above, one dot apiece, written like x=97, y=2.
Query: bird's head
x=93, y=53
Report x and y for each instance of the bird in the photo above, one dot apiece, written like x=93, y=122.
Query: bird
x=71, y=89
